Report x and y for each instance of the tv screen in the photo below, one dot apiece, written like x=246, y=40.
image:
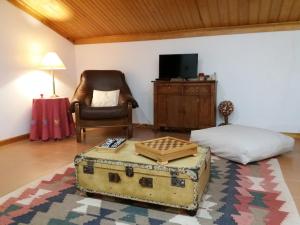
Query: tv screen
x=178, y=66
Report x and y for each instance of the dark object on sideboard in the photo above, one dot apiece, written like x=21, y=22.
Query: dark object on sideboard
x=225, y=108
x=184, y=104
x=113, y=116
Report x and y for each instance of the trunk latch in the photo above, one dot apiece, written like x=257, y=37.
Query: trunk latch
x=89, y=168
x=175, y=181
x=146, y=182
x=114, y=177
x=129, y=171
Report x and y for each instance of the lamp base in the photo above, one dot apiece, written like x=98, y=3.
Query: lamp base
x=54, y=96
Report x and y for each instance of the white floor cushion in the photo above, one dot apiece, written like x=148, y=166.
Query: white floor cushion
x=243, y=144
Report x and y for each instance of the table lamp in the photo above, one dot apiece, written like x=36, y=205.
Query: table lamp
x=51, y=61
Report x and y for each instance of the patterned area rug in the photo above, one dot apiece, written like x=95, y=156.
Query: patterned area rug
x=236, y=194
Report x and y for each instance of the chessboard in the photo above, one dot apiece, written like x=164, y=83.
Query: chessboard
x=165, y=149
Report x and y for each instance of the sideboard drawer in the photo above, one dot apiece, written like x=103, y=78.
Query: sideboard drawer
x=191, y=90
x=169, y=89
x=204, y=90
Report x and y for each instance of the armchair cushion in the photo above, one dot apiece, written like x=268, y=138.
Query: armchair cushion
x=95, y=113
x=105, y=98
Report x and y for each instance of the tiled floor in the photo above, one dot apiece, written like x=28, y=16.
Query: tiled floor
x=25, y=161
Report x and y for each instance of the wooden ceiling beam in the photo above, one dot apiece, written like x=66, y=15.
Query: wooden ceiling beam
x=192, y=33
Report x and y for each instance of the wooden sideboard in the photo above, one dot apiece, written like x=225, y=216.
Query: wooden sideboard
x=184, y=104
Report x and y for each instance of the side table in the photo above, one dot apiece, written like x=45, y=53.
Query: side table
x=51, y=119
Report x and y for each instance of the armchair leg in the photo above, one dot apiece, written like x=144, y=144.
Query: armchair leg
x=78, y=134
x=78, y=128
x=129, y=131
x=130, y=126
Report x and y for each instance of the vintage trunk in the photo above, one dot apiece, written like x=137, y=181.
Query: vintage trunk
x=124, y=174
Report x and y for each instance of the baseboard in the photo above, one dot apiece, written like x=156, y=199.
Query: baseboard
x=14, y=139
x=143, y=125
x=294, y=135
x=151, y=126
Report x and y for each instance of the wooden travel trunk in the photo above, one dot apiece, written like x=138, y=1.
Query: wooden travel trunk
x=124, y=174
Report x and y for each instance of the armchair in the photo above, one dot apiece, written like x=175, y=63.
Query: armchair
x=113, y=116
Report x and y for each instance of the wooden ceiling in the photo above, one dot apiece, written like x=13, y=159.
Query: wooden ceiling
x=95, y=21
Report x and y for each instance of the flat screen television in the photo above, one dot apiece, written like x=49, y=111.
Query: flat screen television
x=183, y=66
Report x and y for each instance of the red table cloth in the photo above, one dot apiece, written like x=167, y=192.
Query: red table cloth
x=51, y=119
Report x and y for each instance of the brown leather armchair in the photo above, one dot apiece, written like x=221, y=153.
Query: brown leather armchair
x=116, y=116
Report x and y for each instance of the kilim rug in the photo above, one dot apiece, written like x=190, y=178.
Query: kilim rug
x=236, y=194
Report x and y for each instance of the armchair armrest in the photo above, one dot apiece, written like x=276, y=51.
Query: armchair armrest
x=80, y=99
x=72, y=104
x=125, y=98
x=82, y=95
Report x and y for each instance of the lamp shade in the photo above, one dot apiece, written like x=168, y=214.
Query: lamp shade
x=51, y=61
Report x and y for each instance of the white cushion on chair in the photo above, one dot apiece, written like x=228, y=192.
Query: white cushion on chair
x=105, y=98
x=243, y=144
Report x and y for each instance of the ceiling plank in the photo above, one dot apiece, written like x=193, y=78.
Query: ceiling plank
x=98, y=16
x=233, y=12
x=193, y=33
x=243, y=12
x=213, y=9
x=275, y=10
x=140, y=15
x=265, y=7
x=204, y=12
x=285, y=10
x=172, y=12
x=189, y=13
x=194, y=14
x=224, y=12
x=82, y=19
x=163, y=14
x=295, y=12
x=156, y=14
x=104, y=12
x=184, y=19
x=132, y=16
x=146, y=11
x=119, y=15
x=254, y=7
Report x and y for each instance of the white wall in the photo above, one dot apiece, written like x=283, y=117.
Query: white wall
x=259, y=72
x=23, y=41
